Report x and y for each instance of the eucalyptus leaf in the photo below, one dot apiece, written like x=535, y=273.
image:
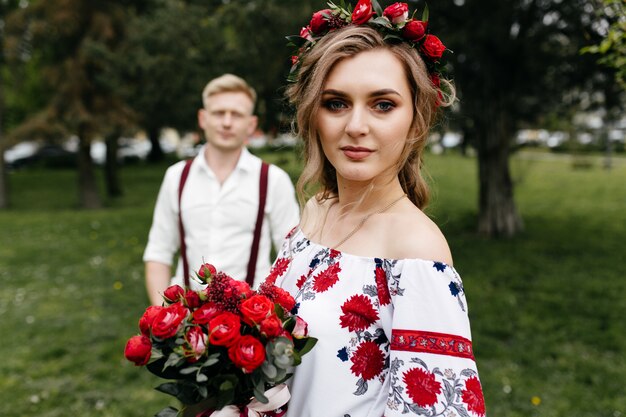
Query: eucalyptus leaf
x=170, y=388
x=191, y=370
x=201, y=377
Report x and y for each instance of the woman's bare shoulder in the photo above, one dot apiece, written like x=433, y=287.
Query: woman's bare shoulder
x=413, y=235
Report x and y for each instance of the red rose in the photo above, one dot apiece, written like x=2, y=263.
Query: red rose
x=414, y=30
x=205, y=313
x=192, y=299
x=197, y=342
x=145, y=322
x=472, y=395
x=256, y=308
x=224, y=329
x=397, y=13
x=241, y=288
x=283, y=298
x=362, y=12
x=294, y=59
x=271, y=326
x=433, y=47
x=318, y=22
x=206, y=271
x=174, y=293
x=436, y=80
x=138, y=350
x=301, y=329
x=168, y=320
x=247, y=353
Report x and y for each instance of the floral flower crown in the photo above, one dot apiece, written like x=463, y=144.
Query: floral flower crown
x=393, y=23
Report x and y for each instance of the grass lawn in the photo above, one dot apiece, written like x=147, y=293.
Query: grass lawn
x=548, y=307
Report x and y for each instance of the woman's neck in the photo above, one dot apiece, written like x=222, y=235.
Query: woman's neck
x=364, y=197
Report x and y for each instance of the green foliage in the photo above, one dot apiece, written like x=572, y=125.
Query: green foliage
x=547, y=307
x=613, y=45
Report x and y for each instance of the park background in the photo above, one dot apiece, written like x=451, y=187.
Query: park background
x=532, y=199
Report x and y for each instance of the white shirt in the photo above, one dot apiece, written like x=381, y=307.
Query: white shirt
x=219, y=220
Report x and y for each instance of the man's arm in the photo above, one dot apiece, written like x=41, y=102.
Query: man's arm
x=157, y=280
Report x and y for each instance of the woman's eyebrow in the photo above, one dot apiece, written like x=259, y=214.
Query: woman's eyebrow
x=377, y=93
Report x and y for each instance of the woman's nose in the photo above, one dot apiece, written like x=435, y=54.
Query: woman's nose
x=357, y=124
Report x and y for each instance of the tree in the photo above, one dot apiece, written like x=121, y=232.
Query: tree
x=514, y=62
x=6, y=7
x=71, y=35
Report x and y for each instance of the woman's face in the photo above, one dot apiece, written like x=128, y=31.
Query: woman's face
x=365, y=116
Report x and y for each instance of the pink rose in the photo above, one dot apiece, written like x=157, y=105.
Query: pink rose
x=397, y=13
x=145, y=322
x=173, y=293
x=294, y=59
x=319, y=23
x=247, y=353
x=224, y=329
x=433, y=47
x=169, y=320
x=362, y=12
x=256, y=308
x=414, y=30
x=197, y=342
x=138, y=350
x=301, y=329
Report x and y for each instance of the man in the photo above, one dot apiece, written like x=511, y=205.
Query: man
x=220, y=199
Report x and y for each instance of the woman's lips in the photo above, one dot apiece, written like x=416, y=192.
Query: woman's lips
x=356, y=152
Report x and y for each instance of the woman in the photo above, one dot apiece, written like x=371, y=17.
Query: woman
x=371, y=272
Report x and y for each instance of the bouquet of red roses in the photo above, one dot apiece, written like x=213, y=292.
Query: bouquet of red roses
x=224, y=347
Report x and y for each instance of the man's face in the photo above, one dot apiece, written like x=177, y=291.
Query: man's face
x=227, y=120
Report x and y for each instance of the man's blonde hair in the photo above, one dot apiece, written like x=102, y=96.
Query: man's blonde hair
x=227, y=83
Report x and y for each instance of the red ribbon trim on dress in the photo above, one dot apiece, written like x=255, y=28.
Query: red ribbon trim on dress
x=431, y=342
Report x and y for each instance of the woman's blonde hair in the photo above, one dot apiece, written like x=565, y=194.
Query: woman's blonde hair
x=304, y=94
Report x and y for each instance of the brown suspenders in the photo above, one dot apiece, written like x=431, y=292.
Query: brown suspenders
x=254, y=250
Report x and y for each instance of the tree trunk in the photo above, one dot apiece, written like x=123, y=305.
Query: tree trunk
x=156, y=152
x=87, y=187
x=111, y=167
x=4, y=180
x=498, y=216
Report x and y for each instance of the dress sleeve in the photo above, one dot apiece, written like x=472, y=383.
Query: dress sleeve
x=432, y=371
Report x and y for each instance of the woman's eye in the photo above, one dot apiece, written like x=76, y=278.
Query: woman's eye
x=384, y=106
x=334, y=105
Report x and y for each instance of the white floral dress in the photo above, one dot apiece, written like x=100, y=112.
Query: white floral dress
x=393, y=335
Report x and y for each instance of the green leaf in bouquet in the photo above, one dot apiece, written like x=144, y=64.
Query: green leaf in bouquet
x=173, y=360
x=167, y=412
x=190, y=370
x=289, y=324
x=305, y=347
x=155, y=355
x=200, y=377
x=279, y=310
x=259, y=392
x=170, y=388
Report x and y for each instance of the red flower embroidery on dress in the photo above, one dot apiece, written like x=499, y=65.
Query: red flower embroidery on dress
x=473, y=396
x=327, y=278
x=279, y=268
x=382, y=288
x=301, y=281
x=334, y=253
x=358, y=313
x=367, y=361
x=422, y=387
